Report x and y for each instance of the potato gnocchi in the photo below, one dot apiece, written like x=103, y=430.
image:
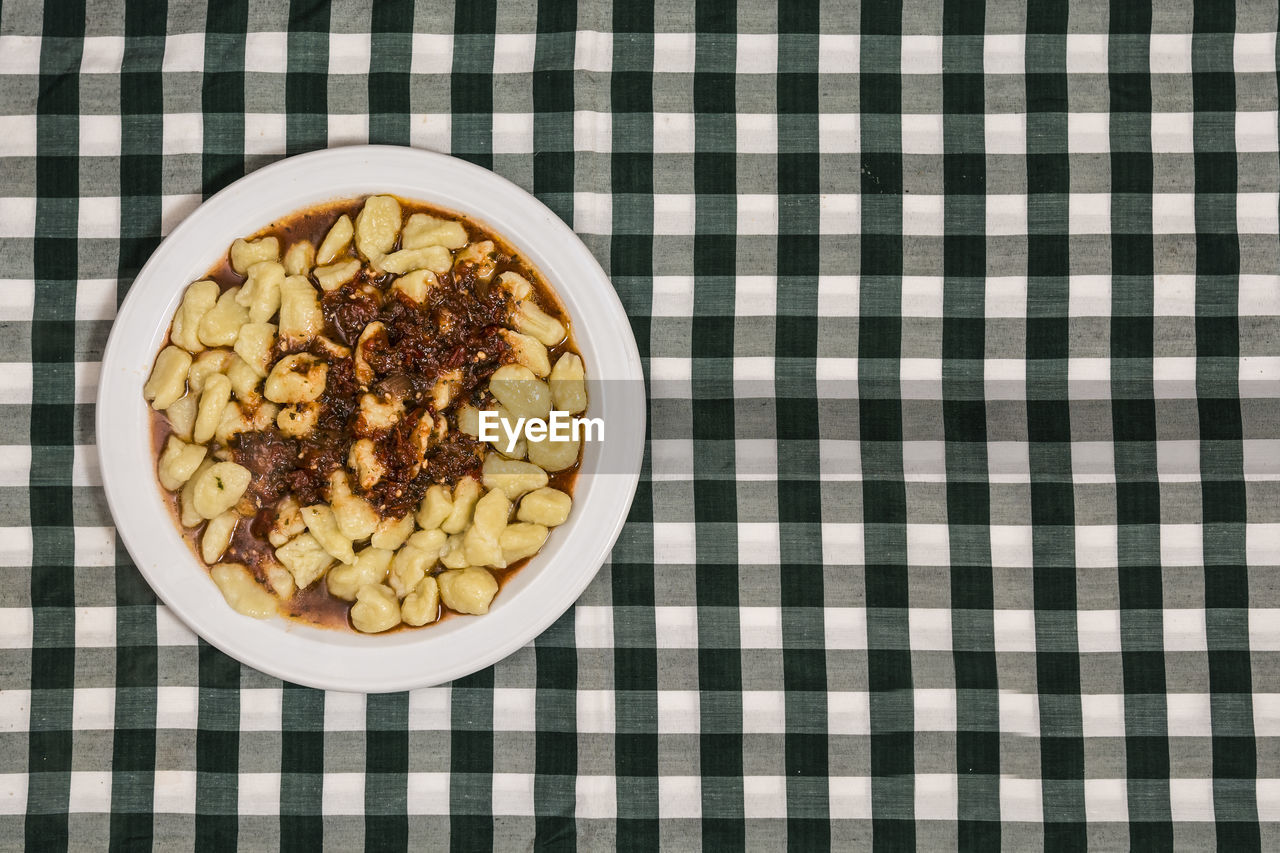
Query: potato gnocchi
x=317, y=416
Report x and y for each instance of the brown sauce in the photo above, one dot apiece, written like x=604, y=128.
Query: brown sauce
x=249, y=546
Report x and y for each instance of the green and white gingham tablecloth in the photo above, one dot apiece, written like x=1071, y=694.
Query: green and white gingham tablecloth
x=960, y=519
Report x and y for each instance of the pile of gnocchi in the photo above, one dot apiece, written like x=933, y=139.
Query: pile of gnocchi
x=268, y=357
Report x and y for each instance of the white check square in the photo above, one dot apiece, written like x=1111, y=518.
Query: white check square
x=432, y=53
x=674, y=53
x=596, y=798
x=1086, y=53
x=921, y=54
x=512, y=133
x=673, y=133
x=839, y=133
x=1255, y=53
x=593, y=51
x=266, y=52
x=1256, y=131
x=1004, y=53
x=1106, y=800
x=349, y=53
x=513, y=52
x=757, y=53
x=1189, y=715
x=922, y=214
x=1172, y=133
x=922, y=133
x=99, y=135
x=1005, y=133
x=764, y=797
x=1102, y=715
x=1088, y=133
x=183, y=53
x=764, y=712
x=758, y=214
x=838, y=53
x=757, y=133
x=848, y=713
x=1098, y=631
x=1170, y=53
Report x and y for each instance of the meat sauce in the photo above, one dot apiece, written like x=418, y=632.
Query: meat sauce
x=457, y=328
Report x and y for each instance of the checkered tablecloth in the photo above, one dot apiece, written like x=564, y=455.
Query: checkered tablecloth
x=960, y=519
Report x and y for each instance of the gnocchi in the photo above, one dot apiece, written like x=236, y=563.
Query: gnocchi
x=300, y=258
x=246, y=253
x=297, y=378
x=337, y=241
x=186, y=498
x=532, y=320
x=179, y=462
x=356, y=517
x=254, y=345
x=568, y=384
x=374, y=332
x=217, y=536
x=325, y=402
x=213, y=401
x=422, y=605
x=182, y=416
x=364, y=461
x=205, y=365
x=335, y=275
x=415, y=285
x=245, y=382
x=219, y=488
x=377, y=227
x=488, y=521
x=377, y=413
x=512, y=476
x=198, y=301
x=391, y=533
x=465, y=496
x=376, y=609
x=369, y=567
x=287, y=521
x=548, y=507
x=300, y=316
x=261, y=291
x=242, y=592
x=476, y=262
x=298, y=419
x=436, y=259
x=436, y=506
x=528, y=352
x=305, y=558
x=168, y=379
x=220, y=326
x=468, y=590
x=323, y=525
x=412, y=562
x=551, y=454
x=520, y=391
x=522, y=540
x=453, y=554
x=422, y=230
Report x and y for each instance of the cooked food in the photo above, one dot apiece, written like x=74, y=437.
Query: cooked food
x=319, y=409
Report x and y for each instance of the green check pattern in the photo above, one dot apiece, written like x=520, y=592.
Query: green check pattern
x=959, y=525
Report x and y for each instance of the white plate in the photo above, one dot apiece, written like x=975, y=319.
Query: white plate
x=529, y=602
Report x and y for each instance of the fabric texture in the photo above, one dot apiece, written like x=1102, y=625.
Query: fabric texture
x=959, y=524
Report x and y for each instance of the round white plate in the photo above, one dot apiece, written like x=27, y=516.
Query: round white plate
x=530, y=601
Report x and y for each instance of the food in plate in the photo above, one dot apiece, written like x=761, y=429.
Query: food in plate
x=320, y=407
